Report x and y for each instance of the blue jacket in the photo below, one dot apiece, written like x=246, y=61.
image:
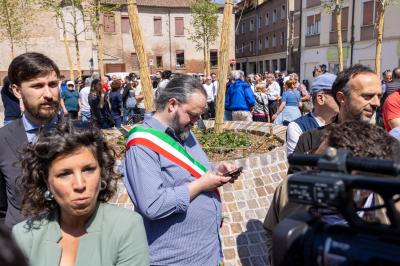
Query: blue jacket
x=239, y=97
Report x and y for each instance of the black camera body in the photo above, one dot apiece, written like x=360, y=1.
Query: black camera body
x=306, y=239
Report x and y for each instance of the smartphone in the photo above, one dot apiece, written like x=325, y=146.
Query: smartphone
x=235, y=173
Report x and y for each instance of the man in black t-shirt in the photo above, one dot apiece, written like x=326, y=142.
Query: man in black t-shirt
x=357, y=90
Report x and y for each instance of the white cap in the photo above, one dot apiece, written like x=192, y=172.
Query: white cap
x=70, y=82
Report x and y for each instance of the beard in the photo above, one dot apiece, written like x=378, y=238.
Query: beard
x=43, y=111
x=182, y=132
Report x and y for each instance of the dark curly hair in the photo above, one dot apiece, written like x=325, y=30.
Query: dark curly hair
x=363, y=140
x=66, y=138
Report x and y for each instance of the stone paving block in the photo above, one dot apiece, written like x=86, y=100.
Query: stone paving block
x=237, y=217
x=228, y=197
x=261, y=192
x=252, y=204
x=250, y=214
x=229, y=253
x=236, y=228
x=258, y=181
x=243, y=251
x=257, y=261
x=232, y=207
x=229, y=241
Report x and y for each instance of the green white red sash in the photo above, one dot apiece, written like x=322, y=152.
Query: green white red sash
x=165, y=145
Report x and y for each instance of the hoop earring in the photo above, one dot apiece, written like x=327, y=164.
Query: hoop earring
x=103, y=185
x=48, y=196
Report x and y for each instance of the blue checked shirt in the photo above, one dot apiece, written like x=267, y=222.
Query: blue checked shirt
x=179, y=231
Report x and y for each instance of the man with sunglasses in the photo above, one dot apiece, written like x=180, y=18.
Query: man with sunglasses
x=324, y=112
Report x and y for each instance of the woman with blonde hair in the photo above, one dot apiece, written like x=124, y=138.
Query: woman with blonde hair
x=261, y=113
x=289, y=108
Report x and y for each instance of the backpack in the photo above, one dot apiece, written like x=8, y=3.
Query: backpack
x=130, y=102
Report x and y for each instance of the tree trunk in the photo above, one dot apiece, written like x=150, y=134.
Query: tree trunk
x=208, y=70
x=338, y=14
x=100, y=51
x=379, y=36
x=142, y=57
x=204, y=57
x=223, y=66
x=67, y=51
x=12, y=48
x=78, y=57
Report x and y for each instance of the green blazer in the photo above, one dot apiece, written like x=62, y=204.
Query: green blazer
x=115, y=236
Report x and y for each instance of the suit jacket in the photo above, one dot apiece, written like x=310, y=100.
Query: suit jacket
x=115, y=236
x=12, y=140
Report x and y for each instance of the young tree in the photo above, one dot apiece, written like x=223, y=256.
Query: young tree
x=56, y=7
x=77, y=27
x=13, y=22
x=93, y=9
x=334, y=7
x=381, y=6
x=205, y=28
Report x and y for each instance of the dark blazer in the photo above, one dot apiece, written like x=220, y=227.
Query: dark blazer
x=12, y=140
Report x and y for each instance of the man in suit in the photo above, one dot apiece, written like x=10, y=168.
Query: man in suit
x=34, y=79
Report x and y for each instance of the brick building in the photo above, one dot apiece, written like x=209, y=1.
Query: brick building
x=165, y=27
x=319, y=41
x=263, y=30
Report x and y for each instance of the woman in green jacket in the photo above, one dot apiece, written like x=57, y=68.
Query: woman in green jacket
x=67, y=177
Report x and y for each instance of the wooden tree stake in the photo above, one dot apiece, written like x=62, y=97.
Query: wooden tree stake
x=223, y=66
x=139, y=48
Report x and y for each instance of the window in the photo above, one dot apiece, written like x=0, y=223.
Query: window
x=266, y=43
x=267, y=19
x=274, y=16
x=251, y=25
x=313, y=24
x=179, y=26
x=282, y=42
x=259, y=22
x=282, y=64
x=267, y=66
x=259, y=44
x=274, y=40
x=283, y=12
x=251, y=46
x=243, y=27
x=368, y=11
x=243, y=45
x=125, y=26
x=157, y=25
x=109, y=22
x=180, y=59
x=274, y=65
x=345, y=19
x=159, y=63
x=213, y=58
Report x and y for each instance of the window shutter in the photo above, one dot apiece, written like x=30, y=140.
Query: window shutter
x=368, y=13
x=179, y=27
x=157, y=26
x=109, y=23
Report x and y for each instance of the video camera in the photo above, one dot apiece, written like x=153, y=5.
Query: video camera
x=333, y=189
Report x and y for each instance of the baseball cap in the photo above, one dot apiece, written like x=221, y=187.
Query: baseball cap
x=70, y=82
x=323, y=83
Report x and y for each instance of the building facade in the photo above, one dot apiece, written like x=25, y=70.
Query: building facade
x=166, y=27
x=319, y=41
x=262, y=32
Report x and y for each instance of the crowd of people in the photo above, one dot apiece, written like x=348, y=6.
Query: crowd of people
x=57, y=172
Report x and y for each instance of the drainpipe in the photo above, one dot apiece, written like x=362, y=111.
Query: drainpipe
x=300, y=33
x=352, y=34
x=169, y=36
x=257, y=37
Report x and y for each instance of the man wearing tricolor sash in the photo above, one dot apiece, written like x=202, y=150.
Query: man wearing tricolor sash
x=171, y=181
